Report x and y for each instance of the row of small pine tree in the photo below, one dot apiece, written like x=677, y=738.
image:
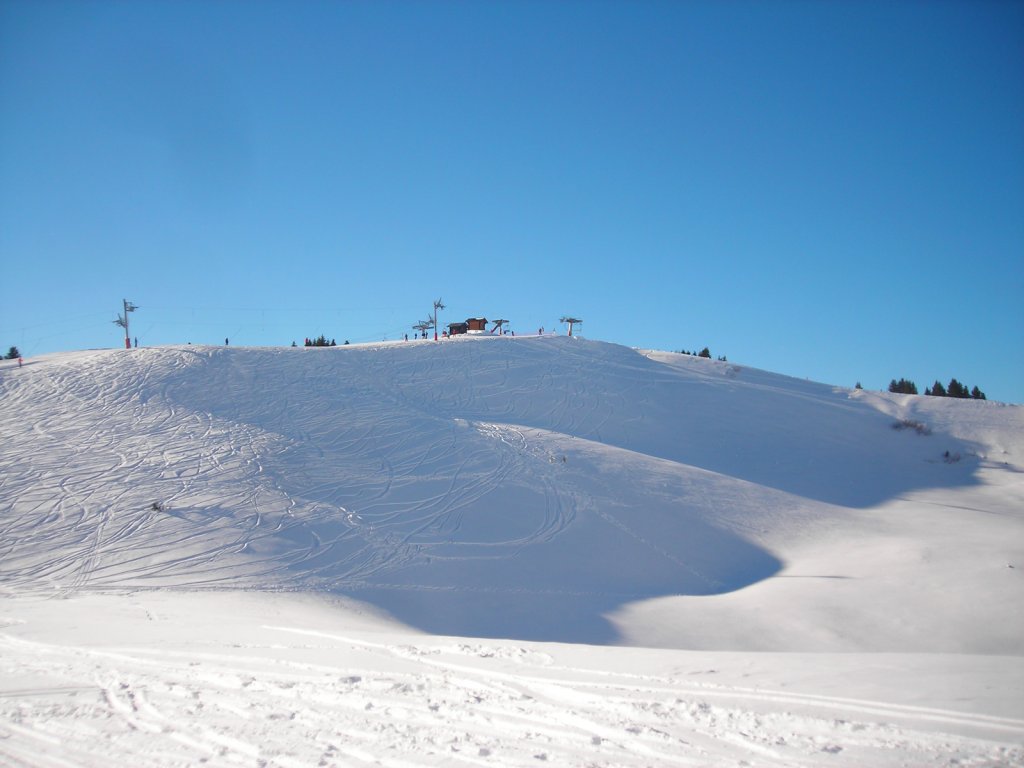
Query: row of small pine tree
x=320, y=342
x=703, y=353
x=955, y=389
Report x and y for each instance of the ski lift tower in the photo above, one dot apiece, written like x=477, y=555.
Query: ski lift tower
x=571, y=321
x=122, y=320
x=423, y=327
x=497, y=326
x=437, y=305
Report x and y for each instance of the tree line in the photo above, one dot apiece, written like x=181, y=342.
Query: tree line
x=321, y=341
x=706, y=352
x=953, y=389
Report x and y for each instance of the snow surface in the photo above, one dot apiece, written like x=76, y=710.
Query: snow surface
x=501, y=551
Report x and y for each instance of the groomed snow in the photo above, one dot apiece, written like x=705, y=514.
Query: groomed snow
x=501, y=551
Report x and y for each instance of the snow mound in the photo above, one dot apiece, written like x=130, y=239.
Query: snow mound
x=538, y=489
x=350, y=556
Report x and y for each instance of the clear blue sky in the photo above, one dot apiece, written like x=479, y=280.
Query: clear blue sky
x=833, y=190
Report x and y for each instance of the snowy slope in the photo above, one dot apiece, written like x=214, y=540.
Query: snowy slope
x=525, y=490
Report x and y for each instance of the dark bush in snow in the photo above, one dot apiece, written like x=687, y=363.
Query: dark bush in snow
x=917, y=426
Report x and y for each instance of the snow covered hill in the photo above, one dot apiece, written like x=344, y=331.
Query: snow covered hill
x=523, y=490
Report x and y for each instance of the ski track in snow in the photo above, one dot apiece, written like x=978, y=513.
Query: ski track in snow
x=160, y=470
x=461, y=702
x=524, y=489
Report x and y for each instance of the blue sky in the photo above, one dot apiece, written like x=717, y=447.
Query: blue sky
x=833, y=190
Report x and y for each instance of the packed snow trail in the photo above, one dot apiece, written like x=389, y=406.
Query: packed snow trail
x=200, y=680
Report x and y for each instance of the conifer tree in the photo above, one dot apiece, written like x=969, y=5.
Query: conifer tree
x=903, y=386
